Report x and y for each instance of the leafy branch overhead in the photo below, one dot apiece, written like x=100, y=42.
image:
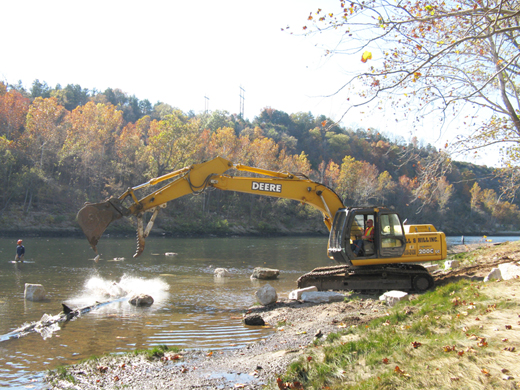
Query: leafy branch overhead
x=444, y=57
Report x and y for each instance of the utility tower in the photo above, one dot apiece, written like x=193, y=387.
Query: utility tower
x=242, y=98
x=206, y=104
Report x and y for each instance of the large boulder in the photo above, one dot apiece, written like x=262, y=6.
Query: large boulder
x=509, y=271
x=265, y=273
x=266, y=295
x=34, y=292
x=141, y=300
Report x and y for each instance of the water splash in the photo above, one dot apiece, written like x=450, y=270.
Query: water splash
x=98, y=288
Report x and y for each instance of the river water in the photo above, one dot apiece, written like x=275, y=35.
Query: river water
x=192, y=308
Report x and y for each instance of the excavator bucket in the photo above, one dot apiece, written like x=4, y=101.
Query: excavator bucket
x=94, y=218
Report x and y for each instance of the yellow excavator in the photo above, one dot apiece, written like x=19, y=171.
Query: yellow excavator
x=382, y=261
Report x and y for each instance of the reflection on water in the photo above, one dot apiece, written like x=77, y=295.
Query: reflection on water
x=192, y=308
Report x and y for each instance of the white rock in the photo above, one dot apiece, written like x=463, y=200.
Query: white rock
x=322, y=296
x=432, y=267
x=451, y=264
x=221, y=273
x=509, y=271
x=494, y=274
x=34, y=292
x=392, y=297
x=297, y=294
x=266, y=295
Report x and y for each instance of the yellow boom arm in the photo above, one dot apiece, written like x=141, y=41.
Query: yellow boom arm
x=94, y=218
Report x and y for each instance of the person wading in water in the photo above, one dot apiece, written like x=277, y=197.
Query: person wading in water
x=20, y=251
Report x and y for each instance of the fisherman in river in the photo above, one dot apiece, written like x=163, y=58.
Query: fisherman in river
x=20, y=251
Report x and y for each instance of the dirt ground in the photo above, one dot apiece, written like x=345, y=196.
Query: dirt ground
x=296, y=326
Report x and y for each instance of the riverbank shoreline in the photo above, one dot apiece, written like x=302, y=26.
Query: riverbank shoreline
x=77, y=233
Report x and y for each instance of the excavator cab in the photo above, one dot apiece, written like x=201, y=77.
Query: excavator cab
x=349, y=227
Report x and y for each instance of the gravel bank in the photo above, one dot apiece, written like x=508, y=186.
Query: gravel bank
x=258, y=364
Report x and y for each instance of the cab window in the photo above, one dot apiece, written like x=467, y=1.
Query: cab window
x=392, y=236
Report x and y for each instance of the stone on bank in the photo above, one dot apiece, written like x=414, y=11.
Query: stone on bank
x=266, y=295
x=392, y=297
x=297, y=294
x=322, y=296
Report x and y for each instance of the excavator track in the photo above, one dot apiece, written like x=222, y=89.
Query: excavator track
x=403, y=277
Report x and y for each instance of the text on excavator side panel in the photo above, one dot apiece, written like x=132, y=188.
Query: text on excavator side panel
x=266, y=187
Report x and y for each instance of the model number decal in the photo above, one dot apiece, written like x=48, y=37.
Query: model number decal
x=426, y=251
x=259, y=186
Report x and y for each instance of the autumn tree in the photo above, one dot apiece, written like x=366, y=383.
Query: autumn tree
x=328, y=174
x=89, y=145
x=44, y=133
x=358, y=182
x=224, y=143
x=13, y=109
x=130, y=163
x=7, y=170
x=171, y=143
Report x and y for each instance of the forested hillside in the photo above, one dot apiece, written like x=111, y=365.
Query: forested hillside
x=60, y=147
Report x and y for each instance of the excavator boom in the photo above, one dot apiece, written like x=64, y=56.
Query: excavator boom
x=94, y=218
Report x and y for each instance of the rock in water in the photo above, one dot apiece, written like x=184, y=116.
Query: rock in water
x=34, y=292
x=221, y=273
x=141, y=300
x=265, y=273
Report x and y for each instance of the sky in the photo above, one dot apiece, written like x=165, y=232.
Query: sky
x=189, y=54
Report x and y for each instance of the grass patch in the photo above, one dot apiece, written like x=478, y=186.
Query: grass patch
x=446, y=342
x=61, y=373
x=156, y=352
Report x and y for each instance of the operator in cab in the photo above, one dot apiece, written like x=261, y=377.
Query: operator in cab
x=368, y=236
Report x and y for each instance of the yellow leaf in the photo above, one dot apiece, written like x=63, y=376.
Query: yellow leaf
x=366, y=56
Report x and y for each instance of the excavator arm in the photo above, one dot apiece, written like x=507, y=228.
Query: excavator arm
x=94, y=218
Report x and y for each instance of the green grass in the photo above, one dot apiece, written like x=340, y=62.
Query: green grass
x=62, y=373
x=156, y=352
x=366, y=357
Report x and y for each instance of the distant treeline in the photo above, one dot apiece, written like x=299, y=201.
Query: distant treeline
x=60, y=147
